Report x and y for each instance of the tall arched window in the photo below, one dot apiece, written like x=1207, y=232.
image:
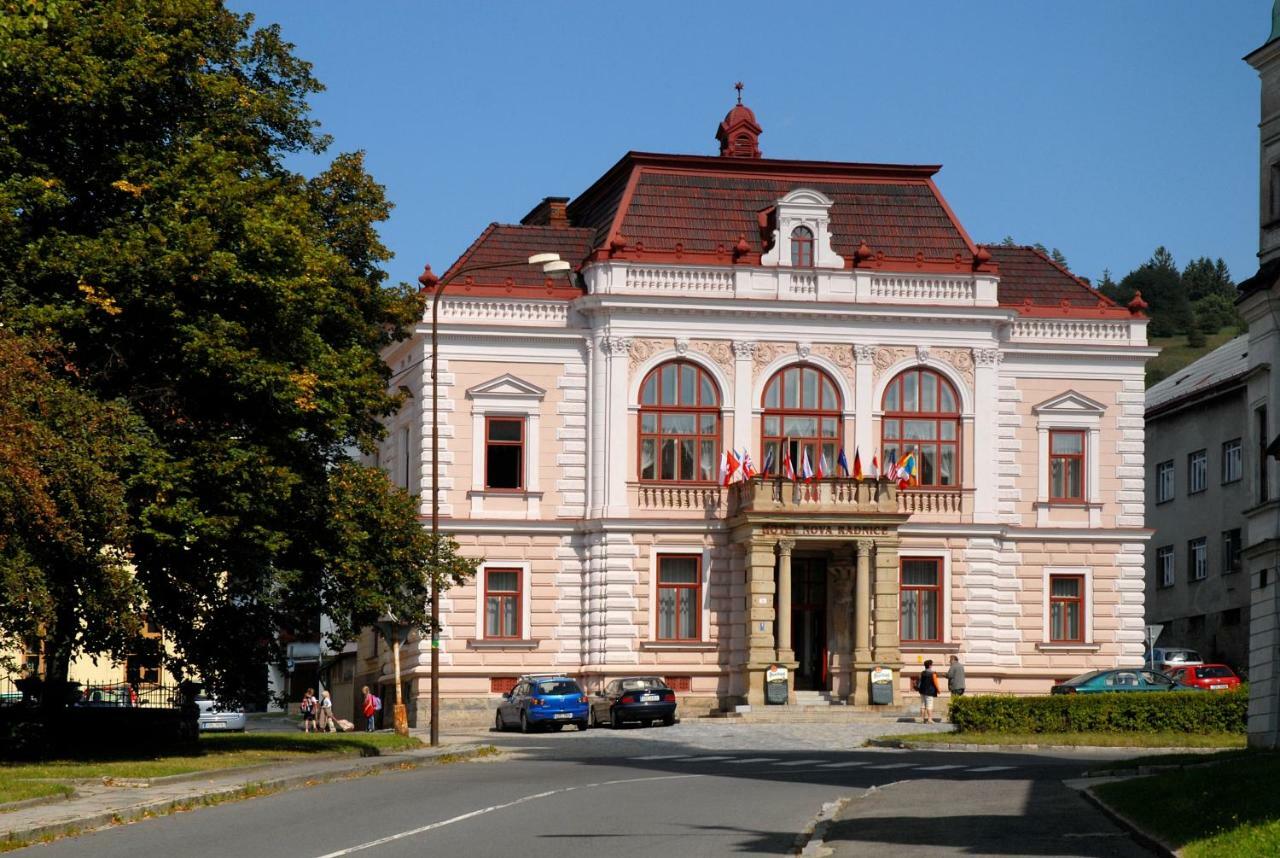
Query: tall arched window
x=801, y=414
x=679, y=424
x=922, y=413
x=802, y=247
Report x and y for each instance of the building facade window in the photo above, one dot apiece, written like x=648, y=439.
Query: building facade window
x=1164, y=481
x=1165, y=565
x=1232, y=461
x=1066, y=465
x=502, y=603
x=1231, y=546
x=802, y=247
x=922, y=415
x=802, y=417
x=504, y=453
x=921, y=600
x=1197, y=471
x=1066, y=608
x=679, y=424
x=1197, y=559
x=679, y=597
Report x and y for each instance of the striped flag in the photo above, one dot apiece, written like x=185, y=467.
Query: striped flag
x=788, y=469
x=806, y=469
x=768, y=460
x=729, y=465
x=823, y=466
x=874, y=473
x=857, y=464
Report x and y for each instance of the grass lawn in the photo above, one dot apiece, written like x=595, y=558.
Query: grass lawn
x=1105, y=740
x=1227, y=810
x=1175, y=353
x=226, y=751
x=1192, y=759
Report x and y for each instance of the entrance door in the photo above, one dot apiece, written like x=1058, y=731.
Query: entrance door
x=809, y=621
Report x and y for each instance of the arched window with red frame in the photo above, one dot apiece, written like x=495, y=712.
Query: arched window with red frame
x=802, y=414
x=679, y=424
x=922, y=414
x=802, y=247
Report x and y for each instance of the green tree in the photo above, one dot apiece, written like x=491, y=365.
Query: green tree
x=1203, y=277
x=1161, y=286
x=148, y=221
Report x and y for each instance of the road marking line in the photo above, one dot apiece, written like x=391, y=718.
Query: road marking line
x=755, y=760
x=844, y=765
x=662, y=757
x=893, y=766
x=799, y=762
x=992, y=769
x=391, y=838
x=939, y=768
x=704, y=759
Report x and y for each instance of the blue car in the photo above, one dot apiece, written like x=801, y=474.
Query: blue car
x=543, y=701
x=1124, y=679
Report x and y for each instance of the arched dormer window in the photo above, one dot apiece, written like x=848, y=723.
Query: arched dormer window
x=802, y=414
x=802, y=247
x=679, y=424
x=922, y=413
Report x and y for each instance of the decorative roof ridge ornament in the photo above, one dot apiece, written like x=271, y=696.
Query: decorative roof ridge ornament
x=739, y=133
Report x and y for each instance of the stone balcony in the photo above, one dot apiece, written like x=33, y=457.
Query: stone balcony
x=848, y=497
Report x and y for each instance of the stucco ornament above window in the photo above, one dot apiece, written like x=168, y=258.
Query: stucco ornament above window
x=810, y=209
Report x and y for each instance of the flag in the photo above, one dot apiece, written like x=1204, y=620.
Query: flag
x=768, y=460
x=874, y=473
x=857, y=463
x=788, y=469
x=748, y=466
x=890, y=468
x=906, y=469
x=806, y=469
x=823, y=466
x=729, y=465
x=842, y=463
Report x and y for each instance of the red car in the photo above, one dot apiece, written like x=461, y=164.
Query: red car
x=1210, y=677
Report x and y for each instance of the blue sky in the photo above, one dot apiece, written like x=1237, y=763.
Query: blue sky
x=1101, y=128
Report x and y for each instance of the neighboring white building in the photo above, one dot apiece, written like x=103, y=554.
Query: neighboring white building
x=779, y=307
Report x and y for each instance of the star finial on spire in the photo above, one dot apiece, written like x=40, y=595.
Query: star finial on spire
x=738, y=87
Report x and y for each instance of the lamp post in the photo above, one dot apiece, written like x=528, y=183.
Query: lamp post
x=396, y=635
x=551, y=264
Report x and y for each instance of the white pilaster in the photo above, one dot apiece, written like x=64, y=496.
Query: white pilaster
x=864, y=439
x=617, y=451
x=985, y=409
x=743, y=355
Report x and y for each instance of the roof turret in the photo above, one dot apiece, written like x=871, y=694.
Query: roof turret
x=739, y=133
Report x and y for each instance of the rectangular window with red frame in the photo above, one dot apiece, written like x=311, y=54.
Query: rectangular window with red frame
x=502, y=603
x=921, y=599
x=504, y=453
x=679, y=597
x=1066, y=465
x=1066, y=609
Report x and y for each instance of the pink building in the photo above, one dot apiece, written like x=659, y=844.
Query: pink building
x=792, y=310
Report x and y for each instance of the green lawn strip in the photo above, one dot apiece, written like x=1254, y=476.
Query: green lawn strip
x=1102, y=740
x=218, y=752
x=20, y=790
x=1224, y=810
x=1193, y=759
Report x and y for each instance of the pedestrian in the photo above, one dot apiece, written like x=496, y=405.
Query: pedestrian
x=308, y=709
x=324, y=713
x=369, y=707
x=928, y=686
x=955, y=677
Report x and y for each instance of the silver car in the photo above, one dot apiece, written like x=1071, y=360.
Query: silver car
x=215, y=716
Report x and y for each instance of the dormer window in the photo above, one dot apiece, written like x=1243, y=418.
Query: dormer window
x=802, y=247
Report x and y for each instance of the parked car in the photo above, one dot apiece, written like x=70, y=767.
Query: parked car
x=1167, y=658
x=538, y=701
x=1212, y=677
x=216, y=716
x=121, y=694
x=642, y=699
x=1124, y=679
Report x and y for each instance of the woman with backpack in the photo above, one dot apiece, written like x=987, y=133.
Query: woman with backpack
x=308, y=709
x=928, y=688
x=370, y=707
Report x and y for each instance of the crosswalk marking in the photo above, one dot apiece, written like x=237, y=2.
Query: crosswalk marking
x=755, y=760
x=938, y=768
x=662, y=757
x=844, y=765
x=992, y=769
x=893, y=766
x=799, y=762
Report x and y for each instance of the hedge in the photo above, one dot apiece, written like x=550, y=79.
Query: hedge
x=1117, y=712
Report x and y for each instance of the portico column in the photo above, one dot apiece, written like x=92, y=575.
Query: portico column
x=862, y=604
x=760, y=618
x=785, y=654
x=886, y=648
x=841, y=601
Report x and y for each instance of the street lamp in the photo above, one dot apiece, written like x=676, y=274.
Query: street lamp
x=551, y=264
x=396, y=634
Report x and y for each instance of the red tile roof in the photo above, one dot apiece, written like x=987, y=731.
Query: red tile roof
x=1028, y=277
x=508, y=247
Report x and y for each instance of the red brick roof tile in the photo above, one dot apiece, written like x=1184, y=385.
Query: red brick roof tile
x=510, y=246
x=1027, y=275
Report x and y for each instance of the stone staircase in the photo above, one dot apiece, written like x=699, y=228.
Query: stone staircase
x=818, y=707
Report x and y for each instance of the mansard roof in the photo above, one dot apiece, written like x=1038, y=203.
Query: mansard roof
x=514, y=244
x=1029, y=279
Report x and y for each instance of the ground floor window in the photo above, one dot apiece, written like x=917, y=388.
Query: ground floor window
x=921, y=605
x=679, y=596
x=502, y=603
x=1066, y=608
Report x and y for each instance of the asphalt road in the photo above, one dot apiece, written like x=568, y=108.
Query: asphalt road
x=676, y=792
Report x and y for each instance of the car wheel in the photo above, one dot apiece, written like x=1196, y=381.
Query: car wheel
x=614, y=721
x=498, y=723
x=668, y=721
x=582, y=726
x=525, y=727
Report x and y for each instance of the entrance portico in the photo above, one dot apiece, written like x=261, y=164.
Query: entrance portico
x=846, y=529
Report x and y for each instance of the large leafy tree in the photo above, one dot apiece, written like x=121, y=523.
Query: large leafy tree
x=149, y=222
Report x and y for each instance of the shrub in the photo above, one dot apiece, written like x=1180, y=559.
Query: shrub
x=1119, y=712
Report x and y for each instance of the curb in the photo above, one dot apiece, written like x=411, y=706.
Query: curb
x=37, y=801
x=1150, y=841
x=962, y=746
x=243, y=789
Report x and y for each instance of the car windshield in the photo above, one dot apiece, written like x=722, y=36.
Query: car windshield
x=558, y=686
x=1213, y=671
x=1083, y=678
x=642, y=684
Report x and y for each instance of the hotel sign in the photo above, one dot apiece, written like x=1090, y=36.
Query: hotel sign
x=825, y=529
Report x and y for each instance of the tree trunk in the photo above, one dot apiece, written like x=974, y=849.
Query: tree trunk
x=59, y=647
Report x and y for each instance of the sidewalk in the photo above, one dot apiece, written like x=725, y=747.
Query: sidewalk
x=95, y=805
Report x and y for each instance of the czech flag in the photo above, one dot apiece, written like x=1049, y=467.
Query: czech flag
x=806, y=469
x=843, y=464
x=857, y=464
x=823, y=466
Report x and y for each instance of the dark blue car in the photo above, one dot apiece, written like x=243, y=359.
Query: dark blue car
x=640, y=699
x=542, y=701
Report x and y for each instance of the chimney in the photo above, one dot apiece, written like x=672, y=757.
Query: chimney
x=552, y=211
